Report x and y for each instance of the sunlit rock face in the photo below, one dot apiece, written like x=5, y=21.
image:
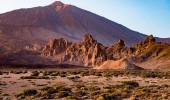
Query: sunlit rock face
x=90, y=53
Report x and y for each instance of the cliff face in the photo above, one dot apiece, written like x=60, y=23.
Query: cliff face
x=91, y=53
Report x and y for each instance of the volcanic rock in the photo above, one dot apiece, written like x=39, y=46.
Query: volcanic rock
x=55, y=47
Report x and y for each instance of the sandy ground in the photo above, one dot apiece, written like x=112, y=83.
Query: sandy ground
x=14, y=85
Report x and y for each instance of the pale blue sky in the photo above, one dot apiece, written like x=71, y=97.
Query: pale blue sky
x=145, y=16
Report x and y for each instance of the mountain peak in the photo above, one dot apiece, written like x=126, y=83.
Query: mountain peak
x=150, y=39
x=88, y=38
x=121, y=42
x=57, y=3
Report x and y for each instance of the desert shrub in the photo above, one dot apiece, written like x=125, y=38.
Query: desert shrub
x=5, y=72
x=30, y=92
x=80, y=85
x=35, y=73
x=70, y=98
x=80, y=93
x=45, y=73
x=92, y=72
x=27, y=92
x=16, y=72
x=77, y=77
x=94, y=93
x=71, y=78
x=148, y=75
x=5, y=94
x=74, y=72
x=41, y=84
x=165, y=85
x=62, y=75
x=63, y=72
x=54, y=74
x=144, y=89
x=65, y=89
x=84, y=73
x=34, y=77
x=106, y=96
x=94, y=88
x=1, y=73
x=47, y=88
x=98, y=74
x=2, y=84
x=107, y=90
x=62, y=94
x=107, y=74
x=130, y=84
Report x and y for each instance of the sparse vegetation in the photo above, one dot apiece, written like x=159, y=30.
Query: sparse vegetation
x=34, y=77
x=35, y=73
x=27, y=92
x=92, y=88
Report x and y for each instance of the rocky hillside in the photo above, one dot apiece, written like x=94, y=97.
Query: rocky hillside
x=91, y=53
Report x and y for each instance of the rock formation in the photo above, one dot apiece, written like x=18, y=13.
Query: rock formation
x=89, y=52
x=55, y=47
x=118, y=64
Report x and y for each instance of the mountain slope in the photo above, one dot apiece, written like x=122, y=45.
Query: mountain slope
x=119, y=64
x=61, y=20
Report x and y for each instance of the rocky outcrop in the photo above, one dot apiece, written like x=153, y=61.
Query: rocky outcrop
x=55, y=47
x=118, y=50
x=89, y=52
x=118, y=64
x=149, y=39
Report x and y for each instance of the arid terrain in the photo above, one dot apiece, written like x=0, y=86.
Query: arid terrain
x=84, y=84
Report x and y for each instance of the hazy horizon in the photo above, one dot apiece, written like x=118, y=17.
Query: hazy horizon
x=145, y=16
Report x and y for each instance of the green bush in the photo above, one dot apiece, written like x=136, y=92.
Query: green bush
x=28, y=92
x=62, y=94
x=34, y=77
x=71, y=78
x=35, y=73
x=54, y=74
x=80, y=93
x=70, y=98
x=130, y=84
x=94, y=88
x=84, y=73
x=106, y=96
x=80, y=85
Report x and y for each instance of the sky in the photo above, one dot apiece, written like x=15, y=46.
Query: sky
x=145, y=16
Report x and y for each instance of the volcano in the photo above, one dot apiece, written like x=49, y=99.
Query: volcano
x=40, y=24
